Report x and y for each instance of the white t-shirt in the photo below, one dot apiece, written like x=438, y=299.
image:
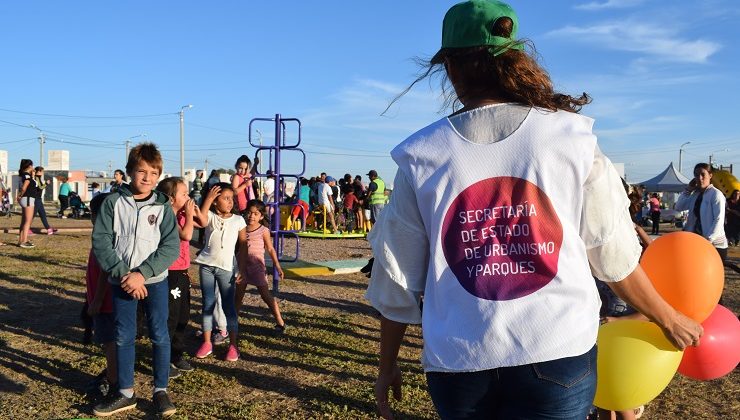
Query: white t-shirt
x=422, y=247
x=269, y=189
x=221, y=237
x=325, y=194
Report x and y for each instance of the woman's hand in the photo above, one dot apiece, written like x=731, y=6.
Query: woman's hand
x=385, y=382
x=683, y=331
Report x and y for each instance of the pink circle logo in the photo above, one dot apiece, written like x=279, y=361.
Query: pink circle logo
x=501, y=238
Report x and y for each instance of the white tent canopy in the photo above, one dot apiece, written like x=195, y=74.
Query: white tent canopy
x=670, y=180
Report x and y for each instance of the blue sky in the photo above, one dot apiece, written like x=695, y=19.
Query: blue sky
x=661, y=74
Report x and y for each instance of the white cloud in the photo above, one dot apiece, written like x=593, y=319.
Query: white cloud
x=609, y=4
x=349, y=121
x=651, y=39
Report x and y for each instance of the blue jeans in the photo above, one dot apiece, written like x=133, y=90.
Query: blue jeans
x=557, y=389
x=41, y=211
x=209, y=275
x=157, y=310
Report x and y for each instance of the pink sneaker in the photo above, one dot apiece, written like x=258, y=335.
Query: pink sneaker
x=233, y=354
x=51, y=231
x=205, y=349
x=30, y=233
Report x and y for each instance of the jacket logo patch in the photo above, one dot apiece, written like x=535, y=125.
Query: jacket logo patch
x=152, y=219
x=501, y=238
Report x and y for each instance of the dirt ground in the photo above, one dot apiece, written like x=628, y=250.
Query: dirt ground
x=323, y=367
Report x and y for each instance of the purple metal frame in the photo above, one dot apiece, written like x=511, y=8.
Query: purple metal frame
x=278, y=235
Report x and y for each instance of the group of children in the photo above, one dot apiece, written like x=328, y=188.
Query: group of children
x=346, y=202
x=141, y=255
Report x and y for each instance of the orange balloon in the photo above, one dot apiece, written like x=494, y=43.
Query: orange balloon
x=687, y=272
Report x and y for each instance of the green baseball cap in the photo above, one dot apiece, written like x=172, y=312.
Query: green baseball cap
x=469, y=24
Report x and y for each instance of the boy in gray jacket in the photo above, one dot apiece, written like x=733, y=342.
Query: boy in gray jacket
x=135, y=239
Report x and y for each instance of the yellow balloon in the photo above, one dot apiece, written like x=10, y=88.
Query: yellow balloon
x=635, y=363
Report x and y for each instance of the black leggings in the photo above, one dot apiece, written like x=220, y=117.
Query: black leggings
x=179, y=307
x=655, y=217
x=63, y=204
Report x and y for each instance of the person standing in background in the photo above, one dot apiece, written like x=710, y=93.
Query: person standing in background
x=119, y=179
x=64, y=191
x=706, y=206
x=197, y=191
x=655, y=213
x=41, y=184
x=26, y=196
x=375, y=195
x=732, y=225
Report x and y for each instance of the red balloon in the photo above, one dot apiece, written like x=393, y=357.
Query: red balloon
x=718, y=352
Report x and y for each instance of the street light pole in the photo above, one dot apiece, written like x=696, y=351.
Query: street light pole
x=680, y=155
x=128, y=144
x=42, y=140
x=182, y=139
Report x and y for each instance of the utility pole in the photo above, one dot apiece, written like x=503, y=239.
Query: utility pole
x=110, y=167
x=42, y=140
x=205, y=165
x=128, y=144
x=182, y=139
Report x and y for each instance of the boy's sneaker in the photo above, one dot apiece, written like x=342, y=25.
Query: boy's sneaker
x=27, y=245
x=174, y=372
x=114, y=403
x=220, y=337
x=182, y=365
x=280, y=329
x=233, y=354
x=205, y=349
x=162, y=403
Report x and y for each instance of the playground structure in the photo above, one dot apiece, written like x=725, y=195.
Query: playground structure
x=324, y=233
x=274, y=169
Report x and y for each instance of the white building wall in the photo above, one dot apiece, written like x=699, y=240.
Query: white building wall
x=58, y=160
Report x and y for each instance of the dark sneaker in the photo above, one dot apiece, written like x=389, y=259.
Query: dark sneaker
x=174, y=372
x=162, y=403
x=27, y=245
x=182, y=365
x=280, y=329
x=114, y=403
x=220, y=338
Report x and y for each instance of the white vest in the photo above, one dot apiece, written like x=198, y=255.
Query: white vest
x=508, y=281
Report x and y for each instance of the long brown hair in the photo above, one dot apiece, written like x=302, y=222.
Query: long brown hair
x=513, y=75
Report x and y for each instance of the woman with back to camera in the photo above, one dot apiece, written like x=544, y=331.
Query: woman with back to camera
x=500, y=233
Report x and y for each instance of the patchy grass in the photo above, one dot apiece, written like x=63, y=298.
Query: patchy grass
x=323, y=367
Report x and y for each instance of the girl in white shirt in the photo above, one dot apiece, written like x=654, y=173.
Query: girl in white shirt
x=223, y=230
